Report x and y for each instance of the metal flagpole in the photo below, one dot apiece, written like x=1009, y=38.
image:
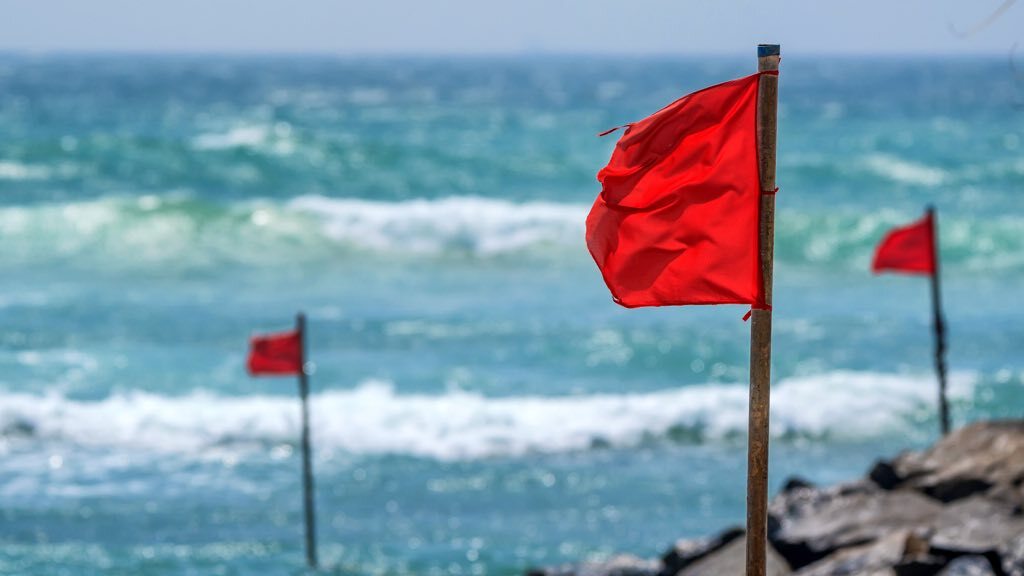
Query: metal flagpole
x=768, y=56
x=307, y=466
x=939, y=325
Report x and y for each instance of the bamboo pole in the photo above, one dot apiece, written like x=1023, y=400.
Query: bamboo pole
x=768, y=56
x=307, y=466
x=939, y=325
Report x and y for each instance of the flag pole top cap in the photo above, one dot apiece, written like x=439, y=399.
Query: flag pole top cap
x=764, y=50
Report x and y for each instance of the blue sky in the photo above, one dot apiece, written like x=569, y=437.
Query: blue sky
x=512, y=26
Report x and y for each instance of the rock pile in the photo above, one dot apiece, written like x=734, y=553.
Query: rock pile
x=956, y=509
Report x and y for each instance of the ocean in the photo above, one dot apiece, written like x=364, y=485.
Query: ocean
x=479, y=405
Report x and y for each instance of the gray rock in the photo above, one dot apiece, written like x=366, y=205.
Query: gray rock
x=969, y=461
x=731, y=559
x=796, y=483
x=812, y=524
x=923, y=566
x=890, y=554
x=968, y=566
x=1012, y=556
x=975, y=526
x=884, y=475
x=956, y=509
x=686, y=552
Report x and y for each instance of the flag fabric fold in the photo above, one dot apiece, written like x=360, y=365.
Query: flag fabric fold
x=276, y=354
x=908, y=249
x=677, y=218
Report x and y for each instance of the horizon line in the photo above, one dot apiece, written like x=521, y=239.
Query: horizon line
x=424, y=54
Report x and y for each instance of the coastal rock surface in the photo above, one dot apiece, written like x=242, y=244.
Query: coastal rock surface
x=956, y=508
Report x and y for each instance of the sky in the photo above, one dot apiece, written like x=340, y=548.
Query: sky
x=510, y=27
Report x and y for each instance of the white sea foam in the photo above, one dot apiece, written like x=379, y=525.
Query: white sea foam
x=275, y=138
x=477, y=225
x=175, y=232
x=374, y=419
x=180, y=232
x=904, y=171
x=236, y=137
x=18, y=171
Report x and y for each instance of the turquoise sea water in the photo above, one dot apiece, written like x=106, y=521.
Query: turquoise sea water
x=479, y=404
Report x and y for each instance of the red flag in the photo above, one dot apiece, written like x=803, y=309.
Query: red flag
x=909, y=249
x=677, y=218
x=276, y=354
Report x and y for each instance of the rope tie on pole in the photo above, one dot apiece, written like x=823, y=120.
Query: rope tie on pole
x=756, y=307
x=610, y=130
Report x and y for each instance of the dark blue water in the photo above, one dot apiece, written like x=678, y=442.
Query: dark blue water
x=479, y=403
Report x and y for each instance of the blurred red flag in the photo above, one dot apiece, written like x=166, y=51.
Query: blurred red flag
x=909, y=249
x=677, y=218
x=276, y=354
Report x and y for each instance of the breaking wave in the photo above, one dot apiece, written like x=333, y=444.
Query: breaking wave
x=375, y=419
x=173, y=232
x=475, y=225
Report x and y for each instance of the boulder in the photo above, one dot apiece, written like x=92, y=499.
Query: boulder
x=956, y=509
x=877, y=556
x=884, y=475
x=899, y=553
x=972, y=460
x=1011, y=555
x=686, y=552
x=812, y=523
x=969, y=566
x=975, y=526
x=923, y=566
x=796, y=483
x=731, y=559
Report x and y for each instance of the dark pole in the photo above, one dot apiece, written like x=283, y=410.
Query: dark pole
x=939, y=325
x=307, y=466
x=761, y=320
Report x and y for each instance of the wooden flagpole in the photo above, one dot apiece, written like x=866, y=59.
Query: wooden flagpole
x=307, y=466
x=768, y=56
x=939, y=325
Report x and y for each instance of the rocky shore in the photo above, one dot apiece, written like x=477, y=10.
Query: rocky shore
x=956, y=509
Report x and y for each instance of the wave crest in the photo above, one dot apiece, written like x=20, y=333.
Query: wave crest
x=374, y=419
x=466, y=224
x=174, y=232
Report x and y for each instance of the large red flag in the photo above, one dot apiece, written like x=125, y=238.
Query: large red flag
x=276, y=354
x=909, y=249
x=677, y=218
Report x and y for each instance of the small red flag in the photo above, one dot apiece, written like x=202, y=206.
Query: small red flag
x=909, y=249
x=677, y=218
x=276, y=354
